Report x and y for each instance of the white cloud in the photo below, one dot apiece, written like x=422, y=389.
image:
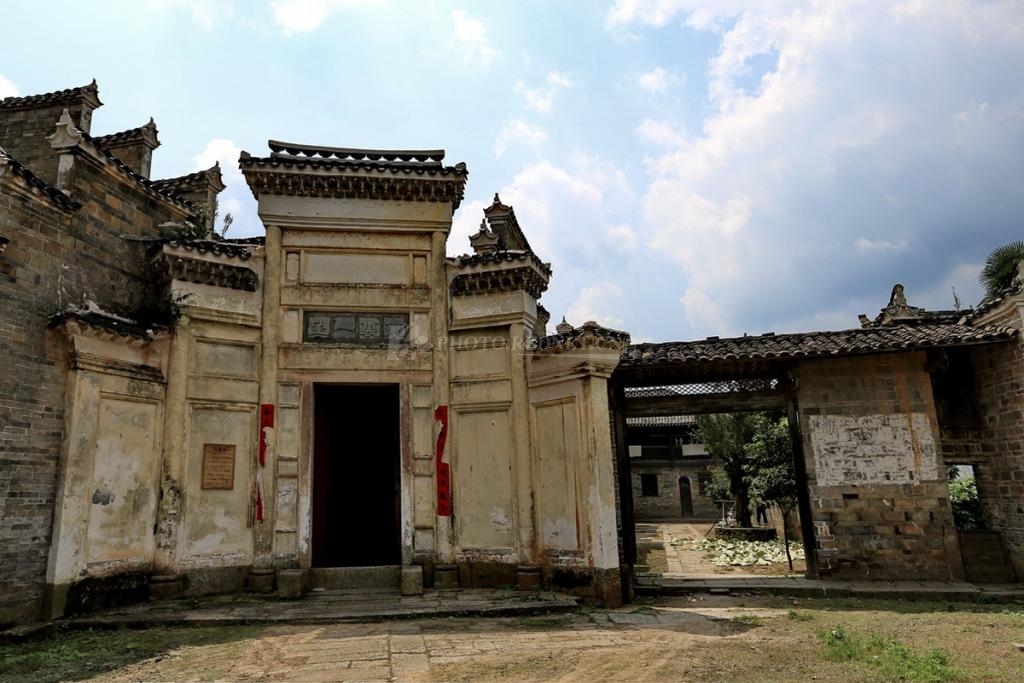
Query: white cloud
x=205, y=13
x=658, y=80
x=596, y=303
x=541, y=98
x=236, y=198
x=660, y=133
x=624, y=236
x=303, y=16
x=471, y=37
x=833, y=130
x=519, y=132
x=559, y=79
x=7, y=88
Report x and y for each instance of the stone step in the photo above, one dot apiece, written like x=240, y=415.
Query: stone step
x=387, y=577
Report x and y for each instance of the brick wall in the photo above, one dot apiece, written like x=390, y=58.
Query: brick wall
x=54, y=258
x=980, y=399
x=879, y=495
x=667, y=504
x=23, y=133
x=31, y=396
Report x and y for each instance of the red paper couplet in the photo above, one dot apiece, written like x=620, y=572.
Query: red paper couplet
x=444, y=479
x=266, y=422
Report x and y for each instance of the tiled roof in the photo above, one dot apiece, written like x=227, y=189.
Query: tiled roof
x=813, y=344
x=412, y=157
x=57, y=97
x=599, y=336
x=141, y=180
x=469, y=260
x=145, y=133
x=103, y=321
x=308, y=171
x=255, y=241
x=44, y=188
x=215, y=247
x=193, y=181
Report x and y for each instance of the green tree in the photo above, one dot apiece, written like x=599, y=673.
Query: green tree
x=770, y=469
x=1000, y=268
x=725, y=437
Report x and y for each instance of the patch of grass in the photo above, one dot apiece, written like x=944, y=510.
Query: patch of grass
x=81, y=654
x=751, y=619
x=894, y=660
x=793, y=615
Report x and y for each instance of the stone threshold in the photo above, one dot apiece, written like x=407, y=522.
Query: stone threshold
x=325, y=607
x=657, y=585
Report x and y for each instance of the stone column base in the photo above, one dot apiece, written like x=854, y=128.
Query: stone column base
x=412, y=580
x=260, y=581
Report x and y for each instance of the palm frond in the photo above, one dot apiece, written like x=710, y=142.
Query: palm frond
x=1000, y=268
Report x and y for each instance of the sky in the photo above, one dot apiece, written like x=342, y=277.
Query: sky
x=689, y=167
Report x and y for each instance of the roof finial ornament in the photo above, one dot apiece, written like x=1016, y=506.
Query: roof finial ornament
x=484, y=241
x=564, y=327
x=497, y=199
x=67, y=134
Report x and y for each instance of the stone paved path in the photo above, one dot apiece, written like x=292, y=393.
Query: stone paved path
x=415, y=650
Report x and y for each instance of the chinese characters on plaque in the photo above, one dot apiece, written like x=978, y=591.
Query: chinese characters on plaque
x=356, y=328
x=218, y=466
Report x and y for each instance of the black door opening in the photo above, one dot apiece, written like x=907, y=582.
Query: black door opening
x=685, y=497
x=356, y=476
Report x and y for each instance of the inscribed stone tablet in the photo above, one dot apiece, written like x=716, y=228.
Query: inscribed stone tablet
x=218, y=466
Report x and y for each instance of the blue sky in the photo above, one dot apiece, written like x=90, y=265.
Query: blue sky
x=689, y=167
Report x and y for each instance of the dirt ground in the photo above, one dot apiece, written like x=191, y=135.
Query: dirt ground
x=710, y=638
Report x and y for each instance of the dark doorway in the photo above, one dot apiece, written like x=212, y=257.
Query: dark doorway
x=685, y=497
x=356, y=478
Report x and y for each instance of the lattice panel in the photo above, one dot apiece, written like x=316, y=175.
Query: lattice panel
x=732, y=386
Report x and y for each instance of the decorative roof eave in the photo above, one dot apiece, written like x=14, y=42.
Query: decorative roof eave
x=772, y=348
x=589, y=336
x=89, y=93
x=505, y=215
x=215, y=247
x=898, y=311
x=69, y=140
x=498, y=259
x=210, y=178
x=100, y=323
x=206, y=263
x=35, y=185
x=354, y=181
x=527, y=277
x=145, y=134
x=293, y=150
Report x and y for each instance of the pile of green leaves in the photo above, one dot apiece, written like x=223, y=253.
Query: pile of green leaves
x=725, y=553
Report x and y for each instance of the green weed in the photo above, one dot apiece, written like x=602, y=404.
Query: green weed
x=894, y=660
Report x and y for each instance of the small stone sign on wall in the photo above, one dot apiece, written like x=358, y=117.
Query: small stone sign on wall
x=218, y=466
x=371, y=329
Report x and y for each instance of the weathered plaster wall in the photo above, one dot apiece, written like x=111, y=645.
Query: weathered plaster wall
x=108, y=486
x=879, y=495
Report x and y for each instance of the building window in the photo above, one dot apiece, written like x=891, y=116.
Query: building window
x=648, y=484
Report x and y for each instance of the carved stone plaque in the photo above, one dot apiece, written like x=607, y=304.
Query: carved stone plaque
x=218, y=466
x=371, y=329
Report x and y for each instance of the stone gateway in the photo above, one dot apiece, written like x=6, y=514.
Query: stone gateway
x=338, y=402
